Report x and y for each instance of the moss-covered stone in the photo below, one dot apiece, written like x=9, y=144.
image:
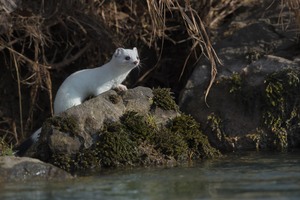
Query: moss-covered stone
x=216, y=125
x=115, y=146
x=276, y=106
x=171, y=144
x=243, y=93
x=197, y=142
x=119, y=143
x=87, y=159
x=137, y=126
x=235, y=83
x=162, y=98
x=67, y=124
x=281, y=111
x=217, y=135
x=64, y=161
x=183, y=139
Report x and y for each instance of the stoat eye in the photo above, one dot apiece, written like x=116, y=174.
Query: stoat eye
x=137, y=58
x=127, y=58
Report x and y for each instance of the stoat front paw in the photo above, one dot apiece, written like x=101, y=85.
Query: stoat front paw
x=121, y=87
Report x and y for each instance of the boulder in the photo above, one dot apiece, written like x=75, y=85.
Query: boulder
x=137, y=127
x=29, y=169
x=87, y=119
x=260, y=68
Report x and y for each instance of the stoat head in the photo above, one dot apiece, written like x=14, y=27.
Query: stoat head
x=128, y=58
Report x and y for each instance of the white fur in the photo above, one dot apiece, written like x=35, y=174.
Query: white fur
x=92, y=82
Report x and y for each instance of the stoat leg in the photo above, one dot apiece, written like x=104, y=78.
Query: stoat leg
x=121, y=87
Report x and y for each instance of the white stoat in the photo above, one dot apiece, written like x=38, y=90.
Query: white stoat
x=90, y=82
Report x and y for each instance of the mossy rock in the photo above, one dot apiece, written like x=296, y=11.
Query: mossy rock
x=171, y=144
x=276, y=105
x=281, y=112
x=67, y=124
x=115, y=146
x=63, y=161
x=163, y=99
x=197, y=142
x=118, y=143
x=137, y=126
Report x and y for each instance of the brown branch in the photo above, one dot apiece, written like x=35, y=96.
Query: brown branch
x=72, y=59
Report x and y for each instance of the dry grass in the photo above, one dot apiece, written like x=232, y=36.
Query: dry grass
x=45, y=41
x=47, y=36
x=42, y=37
x=293, y=5
x=155, y=28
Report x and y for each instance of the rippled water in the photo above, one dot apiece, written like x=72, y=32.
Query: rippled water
x=246, y=176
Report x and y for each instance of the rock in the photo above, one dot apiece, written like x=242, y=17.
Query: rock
x=87, y=120
x=240, y=114
x=139, y=127
x=29, y=169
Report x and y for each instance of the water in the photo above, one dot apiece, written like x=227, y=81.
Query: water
x=246, y=176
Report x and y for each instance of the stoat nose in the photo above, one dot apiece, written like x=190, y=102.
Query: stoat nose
x=135, y=62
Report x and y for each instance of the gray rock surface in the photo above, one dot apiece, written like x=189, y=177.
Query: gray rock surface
x=90, y=118
x=251, y=53
x=29, y=169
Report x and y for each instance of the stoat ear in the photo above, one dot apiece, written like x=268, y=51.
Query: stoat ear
x=118, y=52
x=135, y=49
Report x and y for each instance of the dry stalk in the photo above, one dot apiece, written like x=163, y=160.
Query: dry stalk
x=51, y=36
x=195, y=29
x=294, y=6
x=19, y=94
x=200, y=39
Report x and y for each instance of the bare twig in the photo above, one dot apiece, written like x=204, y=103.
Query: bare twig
x=19, y=94
x=68, y=61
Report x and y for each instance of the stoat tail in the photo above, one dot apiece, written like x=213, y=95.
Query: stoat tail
x=24, y=146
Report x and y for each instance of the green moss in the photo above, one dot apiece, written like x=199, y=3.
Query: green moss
x=281, y=110
x=254, y=55
x=115, y=147
x=183, y=139
x=87, y=159
x=215, y=123
x=197, y=142
x=136, y=126
x=5, y=149
x=84, y=159
x=162, y=98
x=63, y=161
x=244, y=94
x=150, y=120
x=171, y=144
x=67, y=124
x=280, y=105
x=118, y=143
x=236, y=83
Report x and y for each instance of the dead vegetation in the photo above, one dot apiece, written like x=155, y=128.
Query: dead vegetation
x=42, y=42
x=294, y=6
